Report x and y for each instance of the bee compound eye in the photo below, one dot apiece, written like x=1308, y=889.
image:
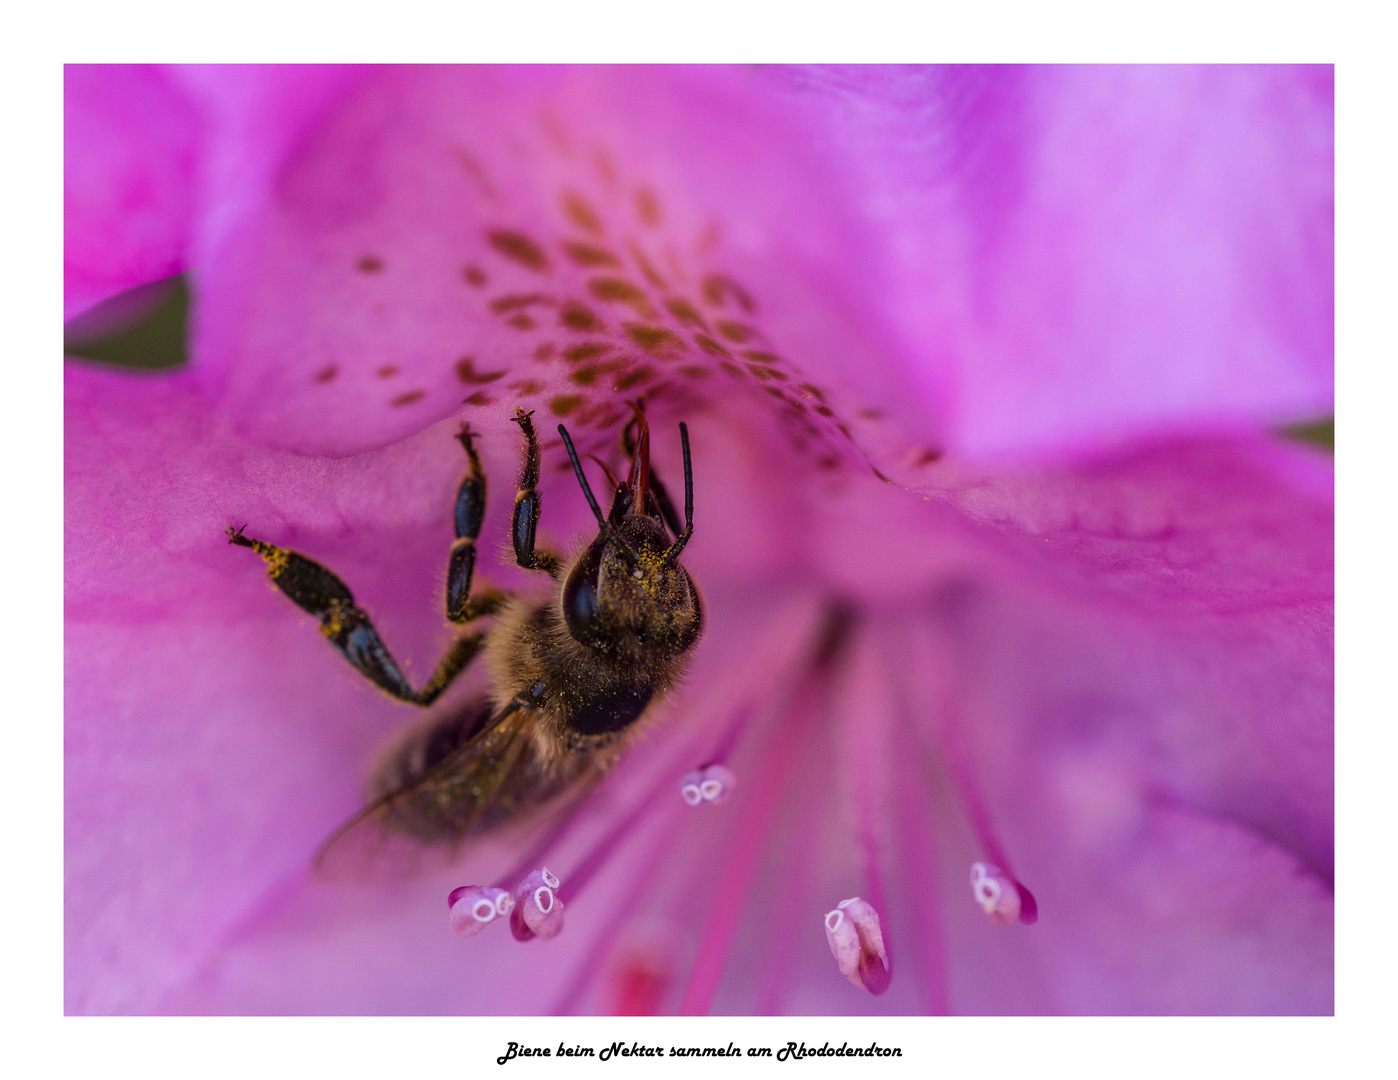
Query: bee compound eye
x=581, y=606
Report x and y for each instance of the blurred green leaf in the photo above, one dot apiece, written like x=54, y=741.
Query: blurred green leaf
x=1320, y=433
x=151, y=339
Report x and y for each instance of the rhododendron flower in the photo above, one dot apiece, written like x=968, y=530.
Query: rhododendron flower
x=1015, y=693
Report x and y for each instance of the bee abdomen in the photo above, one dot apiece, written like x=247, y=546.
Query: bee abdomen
x=611, y=711
x=428, y=746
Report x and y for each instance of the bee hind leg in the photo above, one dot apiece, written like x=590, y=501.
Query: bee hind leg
x=526, y=514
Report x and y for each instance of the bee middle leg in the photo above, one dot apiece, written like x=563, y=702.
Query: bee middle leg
x=526, y=515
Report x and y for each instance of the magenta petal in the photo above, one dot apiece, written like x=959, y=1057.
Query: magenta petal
x=1087, y=253
x=130, y=156
x=1003, y=262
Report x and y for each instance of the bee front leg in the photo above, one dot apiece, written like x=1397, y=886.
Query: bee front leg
x=344, y=624
x=470, y=513
x=526, y=515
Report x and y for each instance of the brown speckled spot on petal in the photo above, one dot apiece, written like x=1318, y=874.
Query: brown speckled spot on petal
x=648, y=269
x=474, y=275
x=685, y=312
x=564, y=404
x=525, y=387
x=467, y=373
x=881, y=476
x=588, y=374
x=369, y=264
x=326, y=374
x=387, y=371
x=521, y=321
x=718, y=289
x=586, y=351
x=634, y=377
x=735, y=331
x=758, y=357
x=812, y=388
x=767, y=373
x=656, y=340
x=544, y=353
x=515, y=301
x=824, y=410
x=696, y=371
x=581, y=213
x=580, y=318
x=710, y=346
x=843, y=430
x=926, y=456
x=520, y=248
x=480, y=397
x=733, y=369
x=590, y=254
x=869, y=414
x=828, y=463
x=408, y=398
x=647, y=206
x=621, y=291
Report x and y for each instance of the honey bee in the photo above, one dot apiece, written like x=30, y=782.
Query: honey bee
x=572, y=677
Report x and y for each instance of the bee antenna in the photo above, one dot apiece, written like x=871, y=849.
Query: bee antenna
x=673, y=552
x=582, y=480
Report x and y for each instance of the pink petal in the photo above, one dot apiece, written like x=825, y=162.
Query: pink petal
x=130, y=157
x=995, y=261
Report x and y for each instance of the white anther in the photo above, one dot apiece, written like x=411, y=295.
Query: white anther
x=691, y=794
x=711, y=790
x=996, y=893
x=856, y=940
x=539, y=910
x=474, y=906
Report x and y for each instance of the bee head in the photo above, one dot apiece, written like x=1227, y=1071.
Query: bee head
x=628, y=592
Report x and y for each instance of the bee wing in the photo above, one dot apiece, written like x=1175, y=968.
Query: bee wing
x=422, y=825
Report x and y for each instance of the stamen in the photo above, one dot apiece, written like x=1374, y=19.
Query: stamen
x=538, y=911
x=711, y=784
x=473, y=906
x=856, y=940
x=1003, y=899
